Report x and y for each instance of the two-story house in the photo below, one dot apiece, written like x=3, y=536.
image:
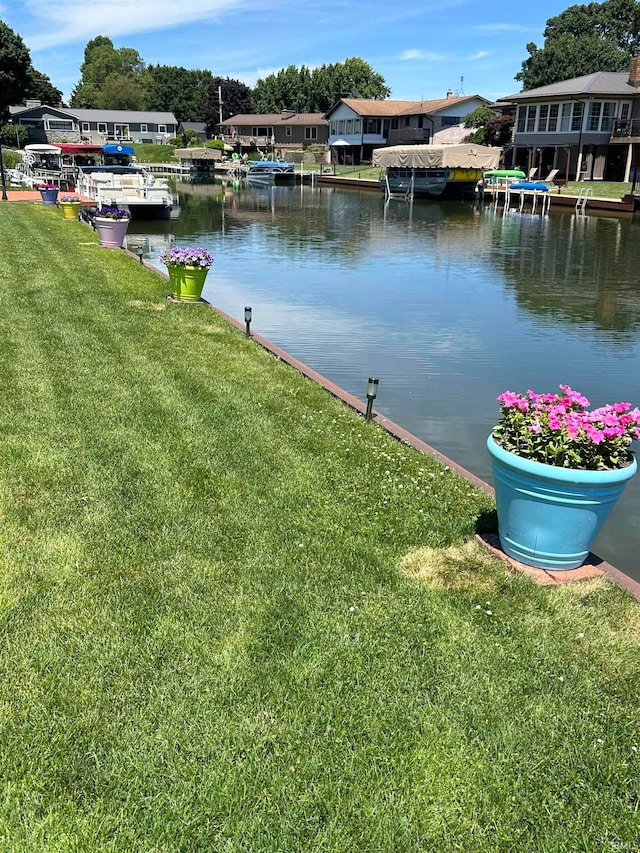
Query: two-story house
x=587, y=127
x=357, y=126
x=65, y=124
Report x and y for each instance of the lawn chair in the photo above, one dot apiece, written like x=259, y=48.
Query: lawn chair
x=532, y=173
x=550, y=177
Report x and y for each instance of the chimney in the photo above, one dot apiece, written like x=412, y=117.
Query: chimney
x=449, y=94
x=634, y=69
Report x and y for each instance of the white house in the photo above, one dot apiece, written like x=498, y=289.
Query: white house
x=357, y=126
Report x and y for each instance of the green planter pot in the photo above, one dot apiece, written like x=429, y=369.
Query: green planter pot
x=187, y=283
x=111, y=231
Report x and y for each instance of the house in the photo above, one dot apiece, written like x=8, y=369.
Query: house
x=587, y=127
x=357, y=126
x=67, y=124
x=286, y=129
x=199, y=126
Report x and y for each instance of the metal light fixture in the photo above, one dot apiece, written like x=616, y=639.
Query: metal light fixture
x=247, y=320
x=2, y=177
x=140, y=253
x=372, y=392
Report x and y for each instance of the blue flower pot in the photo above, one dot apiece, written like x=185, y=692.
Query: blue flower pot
x=550, y=517
x=49, y=196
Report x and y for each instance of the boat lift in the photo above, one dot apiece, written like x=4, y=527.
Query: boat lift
x=405, y=195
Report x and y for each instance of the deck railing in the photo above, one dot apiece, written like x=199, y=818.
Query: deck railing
x=625, y=128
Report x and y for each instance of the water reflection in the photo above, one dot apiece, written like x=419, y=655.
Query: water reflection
x=448, y=304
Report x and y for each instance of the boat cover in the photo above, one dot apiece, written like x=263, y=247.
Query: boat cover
x=464, y=156
x=77, y=148
x=117, y=149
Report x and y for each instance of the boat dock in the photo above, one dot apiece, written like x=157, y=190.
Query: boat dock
x=530, y=200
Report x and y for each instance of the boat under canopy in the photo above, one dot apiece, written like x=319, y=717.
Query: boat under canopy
x=463, y=156
x=113, y=148
x=433, y=171
x=76, y=148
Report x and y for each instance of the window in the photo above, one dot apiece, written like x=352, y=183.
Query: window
x=565, y=121
x=543, y=116
x=522, y=116
x=372, y=125
x=356, y=125
x=576, y=118
x=531, y=118
x=349, y=125
x=608, y=110
x=261, y=131
x=407, y=122
x=287, y=130
x=311, y=133
x=394, y=124
x=553, y=118
x=162, y=128
x=59, y=125
x=625, y=110
x=595, y=108
x=420, y=121
x=86, y=127
x=341, y=126
x=102, y=128
x=334, y=128
x=144, y=128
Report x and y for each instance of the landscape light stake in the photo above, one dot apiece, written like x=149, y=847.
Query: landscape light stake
x=4, y=180
x=247, y=320
x=140, y=253
x=372, y=391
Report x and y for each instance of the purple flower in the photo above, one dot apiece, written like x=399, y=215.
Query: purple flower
x=181, y=256
x=113, y=213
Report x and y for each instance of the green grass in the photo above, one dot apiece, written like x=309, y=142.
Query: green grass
x=151, y=153
x=235, y=617
x=599, y=189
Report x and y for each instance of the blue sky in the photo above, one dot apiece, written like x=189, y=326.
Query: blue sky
x=422, y=48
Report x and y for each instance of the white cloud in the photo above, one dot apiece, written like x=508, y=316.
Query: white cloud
x=75, y=20
x=481, y=54
x=500, y=28
x=415, y=53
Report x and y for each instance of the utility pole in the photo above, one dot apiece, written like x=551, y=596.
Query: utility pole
x=220, y=102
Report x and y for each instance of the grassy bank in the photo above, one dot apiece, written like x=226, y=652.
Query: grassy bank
x=235, y=617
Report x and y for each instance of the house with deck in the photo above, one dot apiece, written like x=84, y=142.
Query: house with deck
x=357, y=126
x=67, y=124
x=286, y=129
x=587, y=127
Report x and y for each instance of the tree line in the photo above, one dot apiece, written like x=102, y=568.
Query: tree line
x=580, y=40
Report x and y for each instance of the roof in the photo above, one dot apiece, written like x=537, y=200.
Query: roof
x=598, y=83
x=275, y=119
x=120, y=116
x=377, y=108
x=464, y=156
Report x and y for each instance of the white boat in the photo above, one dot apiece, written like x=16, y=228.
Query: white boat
x=127, y=187
x=266, y=173
x=433, y=171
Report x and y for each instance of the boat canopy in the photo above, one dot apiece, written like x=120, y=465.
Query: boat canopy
x=73, y=148
x=41, y=148
x=464, y=156
x=113, y=148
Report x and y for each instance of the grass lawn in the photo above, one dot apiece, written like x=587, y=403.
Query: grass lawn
x=235, y=617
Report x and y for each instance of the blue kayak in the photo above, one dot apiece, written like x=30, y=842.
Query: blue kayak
x=529, y=185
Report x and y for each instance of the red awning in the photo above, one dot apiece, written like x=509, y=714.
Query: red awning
x=70, y=148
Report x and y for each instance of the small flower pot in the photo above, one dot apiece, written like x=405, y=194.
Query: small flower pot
x=49, y=196
x=70, y=210
x=187, y=282
x=549, y=517
x=111, y=232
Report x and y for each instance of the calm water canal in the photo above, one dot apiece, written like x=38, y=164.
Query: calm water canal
x=447, y=304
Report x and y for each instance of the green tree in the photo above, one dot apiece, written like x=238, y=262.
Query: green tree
x=318, y=90
x=41, y=87
x=13, y=135
x=236, y=99
x=104, y=71
x=581, y=40
x=182, y=91
x=15, y=67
